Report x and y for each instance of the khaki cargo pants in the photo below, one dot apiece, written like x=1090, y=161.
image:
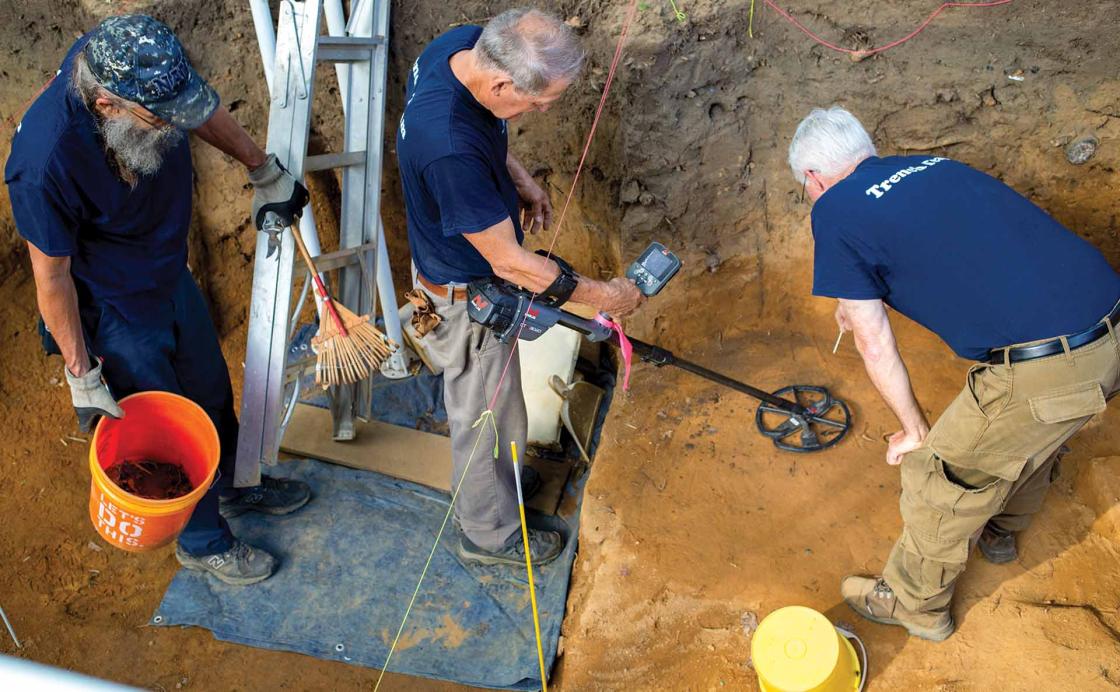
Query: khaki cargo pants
x=473, y=360
x=989, y=458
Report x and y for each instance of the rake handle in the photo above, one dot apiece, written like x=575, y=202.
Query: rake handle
x=319, y=287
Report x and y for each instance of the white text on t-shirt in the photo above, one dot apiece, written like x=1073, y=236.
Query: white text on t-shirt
x=885, y=186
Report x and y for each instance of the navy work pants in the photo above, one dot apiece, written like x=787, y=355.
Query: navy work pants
x=174, y=350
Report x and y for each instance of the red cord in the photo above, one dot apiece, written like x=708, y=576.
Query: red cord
x=11, y=119
x=594, y=123
x=606, y=91
x=575, y=179
x=872, y=51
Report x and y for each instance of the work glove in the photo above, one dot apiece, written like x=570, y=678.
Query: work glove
x=275, y=190
x=91, y=397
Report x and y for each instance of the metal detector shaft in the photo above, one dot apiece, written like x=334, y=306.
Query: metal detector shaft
x=792, y=426
x=660, y=356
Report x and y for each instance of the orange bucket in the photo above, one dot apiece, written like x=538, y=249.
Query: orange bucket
x=160, y=426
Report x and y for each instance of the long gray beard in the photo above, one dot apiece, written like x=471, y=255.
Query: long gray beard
x=138, y=148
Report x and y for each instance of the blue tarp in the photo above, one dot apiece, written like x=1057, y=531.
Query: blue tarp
x=350, y=559
x=349, y=562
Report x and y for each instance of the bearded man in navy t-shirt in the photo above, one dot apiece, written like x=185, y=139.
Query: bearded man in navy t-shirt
x=1003, y=284
x=465, y=196
x=100, y=181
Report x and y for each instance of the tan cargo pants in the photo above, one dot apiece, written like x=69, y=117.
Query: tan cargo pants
x=473, y=362
x=989, y=458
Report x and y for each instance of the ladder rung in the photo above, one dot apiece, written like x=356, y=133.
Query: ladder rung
x=298, y=368
x=322, y=162
x=367, y=41
x=348, y=48
x=342, y=258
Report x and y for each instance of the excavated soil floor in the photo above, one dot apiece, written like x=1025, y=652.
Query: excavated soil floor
x=694, y=525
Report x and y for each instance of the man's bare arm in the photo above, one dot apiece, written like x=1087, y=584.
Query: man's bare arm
x=275, y=190
x=498, y=245
x=876, y=344
x=58, y=304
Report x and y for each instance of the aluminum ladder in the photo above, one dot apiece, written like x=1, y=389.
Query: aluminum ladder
x=358, y=49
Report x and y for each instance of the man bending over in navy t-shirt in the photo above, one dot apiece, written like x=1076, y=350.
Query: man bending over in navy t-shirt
x=464, y=196
x=100, y=181
x=1001, y=283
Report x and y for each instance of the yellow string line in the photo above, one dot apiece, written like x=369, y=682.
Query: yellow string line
x=529, y=566
x=416, y=592
x=750, y=22
x=493, y=425
x=681, y=16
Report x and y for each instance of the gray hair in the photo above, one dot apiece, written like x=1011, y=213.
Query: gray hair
x=828, y=142
x=535, y=49
x=86, y=86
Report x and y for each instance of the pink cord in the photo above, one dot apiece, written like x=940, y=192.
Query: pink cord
x=872, y=51
x=624, y=345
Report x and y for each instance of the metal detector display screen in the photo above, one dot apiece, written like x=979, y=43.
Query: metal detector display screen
x=653, y=269
x=657, y=264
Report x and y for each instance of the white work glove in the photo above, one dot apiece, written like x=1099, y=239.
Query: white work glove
x=91, y=397
x=275, y=190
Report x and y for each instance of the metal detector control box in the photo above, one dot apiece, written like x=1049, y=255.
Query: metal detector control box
x=509, y=311
x=653, y=269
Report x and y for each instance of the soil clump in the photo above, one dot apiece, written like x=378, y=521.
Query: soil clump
x=150, y=479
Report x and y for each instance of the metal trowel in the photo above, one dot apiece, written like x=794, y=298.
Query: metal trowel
x=579, y=410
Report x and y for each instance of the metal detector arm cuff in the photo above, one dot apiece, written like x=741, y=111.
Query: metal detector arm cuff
x=562, y=288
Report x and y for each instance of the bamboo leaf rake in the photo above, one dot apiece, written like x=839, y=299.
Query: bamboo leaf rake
x=348, y=347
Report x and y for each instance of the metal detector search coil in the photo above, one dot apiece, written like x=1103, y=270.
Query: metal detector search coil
x=653, y=269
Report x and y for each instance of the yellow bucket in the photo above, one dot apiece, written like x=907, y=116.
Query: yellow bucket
x=796, y=649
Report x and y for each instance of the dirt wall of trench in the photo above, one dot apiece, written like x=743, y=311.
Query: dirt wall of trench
x=691, y=148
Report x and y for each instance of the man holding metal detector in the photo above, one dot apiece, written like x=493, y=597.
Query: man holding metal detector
x=100, y=180
x=1003, y=284
x=464, y=193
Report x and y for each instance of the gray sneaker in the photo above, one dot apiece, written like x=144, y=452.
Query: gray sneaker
x=241, y=565
x=544, y=547
x=272, y=496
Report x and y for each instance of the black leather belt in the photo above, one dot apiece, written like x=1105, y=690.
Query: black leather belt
x=1054, y=346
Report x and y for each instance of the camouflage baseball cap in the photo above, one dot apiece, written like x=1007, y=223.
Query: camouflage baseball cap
x=139, y=59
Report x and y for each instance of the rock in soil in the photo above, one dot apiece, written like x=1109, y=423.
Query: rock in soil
x=1081, y=150
x=150, y=479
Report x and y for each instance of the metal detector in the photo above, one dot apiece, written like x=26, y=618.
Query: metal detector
x=797, y=418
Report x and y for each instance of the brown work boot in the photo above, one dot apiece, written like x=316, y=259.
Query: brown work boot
x=997, y=545
x=872, y=598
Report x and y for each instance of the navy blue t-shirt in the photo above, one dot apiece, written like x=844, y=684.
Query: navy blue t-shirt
x=452, y=157
x=958, y=252
x=128, y=246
